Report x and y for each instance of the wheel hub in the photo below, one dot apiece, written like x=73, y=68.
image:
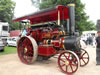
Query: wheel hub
x=25, y=50
x=66, y=63
x=83, y=52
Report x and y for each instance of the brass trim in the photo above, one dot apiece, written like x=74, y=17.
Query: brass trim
x=58, y=17
x=47, y=45
x=71, y=5
x=47, y=42
x=63, y=44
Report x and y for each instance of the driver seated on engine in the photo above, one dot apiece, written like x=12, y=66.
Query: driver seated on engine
x=24, y=32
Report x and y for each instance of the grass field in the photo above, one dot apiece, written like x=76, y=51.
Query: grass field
x=9, y=50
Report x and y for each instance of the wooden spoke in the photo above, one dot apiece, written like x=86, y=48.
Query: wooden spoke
x=84, y=58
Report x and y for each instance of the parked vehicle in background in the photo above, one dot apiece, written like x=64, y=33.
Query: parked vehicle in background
x=4, y=31
x=87, y=34
x=1, y=46
x=12, y=41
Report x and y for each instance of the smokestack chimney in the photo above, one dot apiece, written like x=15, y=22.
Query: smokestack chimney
x=71, y=17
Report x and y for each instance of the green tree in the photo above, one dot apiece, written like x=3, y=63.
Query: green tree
x=81, y=19
x=14, y=26
x=6, y=10
x=7, y=13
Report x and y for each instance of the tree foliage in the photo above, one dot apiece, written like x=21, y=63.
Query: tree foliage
x=81, y=19
x=6, y=10
x=14, y=26
x=7, y=13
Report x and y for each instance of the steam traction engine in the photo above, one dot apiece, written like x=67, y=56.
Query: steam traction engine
x=53, y=32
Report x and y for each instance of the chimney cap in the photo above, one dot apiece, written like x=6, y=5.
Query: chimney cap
x=71, y=4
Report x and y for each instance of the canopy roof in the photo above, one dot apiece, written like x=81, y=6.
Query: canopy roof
x=51, y=14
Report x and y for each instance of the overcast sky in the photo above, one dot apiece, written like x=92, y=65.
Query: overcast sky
x=92, y=8
x=24, y=7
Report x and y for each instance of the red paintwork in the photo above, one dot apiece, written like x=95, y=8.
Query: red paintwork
x=55, y=43
x=45, y=33
x=46, y=51
x=46, y=15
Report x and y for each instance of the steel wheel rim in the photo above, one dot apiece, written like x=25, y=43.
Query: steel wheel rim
x=84, y=58
x=71, y=61
x=25, y=50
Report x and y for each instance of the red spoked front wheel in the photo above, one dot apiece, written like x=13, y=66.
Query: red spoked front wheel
x=68, y=62
x=27, y=49
x=84, y=58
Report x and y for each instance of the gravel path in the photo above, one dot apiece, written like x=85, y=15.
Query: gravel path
x=11, y=65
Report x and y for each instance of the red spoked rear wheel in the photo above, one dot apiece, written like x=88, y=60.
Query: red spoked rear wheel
x=68, y=62
x=27, y=49
x=84, y=58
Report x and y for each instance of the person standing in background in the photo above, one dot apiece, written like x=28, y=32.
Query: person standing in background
x=98, y=48
x=90, y=40
x=94, y=41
